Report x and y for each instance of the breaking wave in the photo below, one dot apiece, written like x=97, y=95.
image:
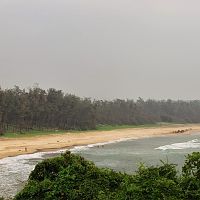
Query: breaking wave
x=86, y=147
x=192, y=144
x=14, y=171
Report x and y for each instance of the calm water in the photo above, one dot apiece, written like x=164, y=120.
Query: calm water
x=121, y=156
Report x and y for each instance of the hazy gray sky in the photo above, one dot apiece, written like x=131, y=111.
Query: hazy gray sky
x=102, y=48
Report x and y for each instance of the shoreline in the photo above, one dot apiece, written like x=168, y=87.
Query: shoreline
x=10, y=147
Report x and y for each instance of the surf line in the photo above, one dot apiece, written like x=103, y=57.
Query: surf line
x=192, y=144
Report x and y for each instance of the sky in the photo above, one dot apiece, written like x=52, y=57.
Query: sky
x=103, y=49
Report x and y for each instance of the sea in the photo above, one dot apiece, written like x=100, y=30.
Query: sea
x=122, y=155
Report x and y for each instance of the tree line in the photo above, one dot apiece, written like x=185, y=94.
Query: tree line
x=38, y=109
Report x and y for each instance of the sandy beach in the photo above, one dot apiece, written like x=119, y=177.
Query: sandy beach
x=25, y=145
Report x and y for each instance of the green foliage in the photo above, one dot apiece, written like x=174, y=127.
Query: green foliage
x=155, y=183
x=71, y=177
x=35, y=109
x=192, y=165
x=190, y=181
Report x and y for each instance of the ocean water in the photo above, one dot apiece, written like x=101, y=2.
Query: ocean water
x=128, y=155
x=120, y=155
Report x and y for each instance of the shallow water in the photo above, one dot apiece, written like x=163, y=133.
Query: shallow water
x=128, y=155
x=121, y=156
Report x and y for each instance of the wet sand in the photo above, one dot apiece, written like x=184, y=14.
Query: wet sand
x=26, y=145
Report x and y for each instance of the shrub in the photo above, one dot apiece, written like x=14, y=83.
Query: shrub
x=71, y=177
x=190, y=181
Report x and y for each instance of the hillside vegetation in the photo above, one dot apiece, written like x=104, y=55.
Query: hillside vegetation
x=71, y=177
x=36, y=110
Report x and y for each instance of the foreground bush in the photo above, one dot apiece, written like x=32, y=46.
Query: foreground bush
x=71, y=177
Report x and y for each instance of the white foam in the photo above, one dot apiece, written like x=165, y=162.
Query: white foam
x=86, y=147
x=193, y=144
x=15, y=170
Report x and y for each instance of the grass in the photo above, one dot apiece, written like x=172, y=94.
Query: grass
x=98, y=128
x=115, y=127
x=32, y=133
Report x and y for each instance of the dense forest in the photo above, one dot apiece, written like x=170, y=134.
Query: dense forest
x=71, y=177
x=38, y=109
